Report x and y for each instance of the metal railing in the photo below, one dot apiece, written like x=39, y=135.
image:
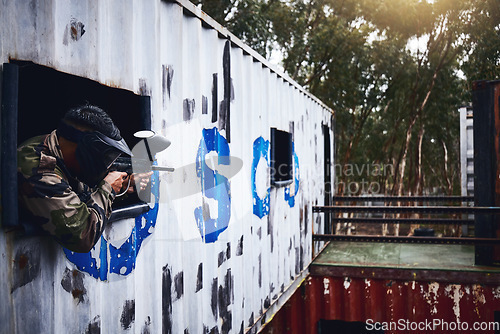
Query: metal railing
x=430, y=210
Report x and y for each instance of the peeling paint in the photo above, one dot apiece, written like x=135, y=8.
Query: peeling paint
x=478, y=298
x=454, y=291
x=478, y=293
x=74, y=31
x=347, y=283
x=326, y=286
x=431, y=296
x=496, y=293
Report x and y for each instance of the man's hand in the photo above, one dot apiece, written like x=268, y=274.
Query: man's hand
x=116, y=180
x=140, y=180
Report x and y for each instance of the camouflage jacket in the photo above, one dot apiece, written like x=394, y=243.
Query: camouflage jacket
x=55, y=202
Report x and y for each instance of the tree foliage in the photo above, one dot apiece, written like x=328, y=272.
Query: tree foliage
x=394, y=71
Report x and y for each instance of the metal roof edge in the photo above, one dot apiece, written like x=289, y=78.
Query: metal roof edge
x=204, y=17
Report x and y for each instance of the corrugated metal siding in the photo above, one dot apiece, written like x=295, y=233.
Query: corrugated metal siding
x=407, y=304
x=169, y=281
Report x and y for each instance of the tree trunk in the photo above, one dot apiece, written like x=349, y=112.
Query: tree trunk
x=418, y=189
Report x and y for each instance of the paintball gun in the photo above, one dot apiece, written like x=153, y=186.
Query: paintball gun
x=143, y=154
x=143, y=158
x=124, y=164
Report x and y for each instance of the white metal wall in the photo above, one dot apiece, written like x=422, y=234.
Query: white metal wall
x=170, y=280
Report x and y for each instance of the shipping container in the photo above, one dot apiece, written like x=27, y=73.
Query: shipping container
x=209, y=250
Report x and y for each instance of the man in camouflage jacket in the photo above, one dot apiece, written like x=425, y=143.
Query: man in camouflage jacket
x=51, y=168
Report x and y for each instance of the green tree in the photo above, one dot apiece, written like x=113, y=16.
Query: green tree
x=395, y=104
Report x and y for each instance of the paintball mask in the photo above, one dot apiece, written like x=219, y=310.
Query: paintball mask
x=95, y=152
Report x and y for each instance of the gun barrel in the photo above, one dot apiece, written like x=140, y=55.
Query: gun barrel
x=162, y=169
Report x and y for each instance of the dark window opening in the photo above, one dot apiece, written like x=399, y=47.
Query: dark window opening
x=43, y=97
x=281, y=158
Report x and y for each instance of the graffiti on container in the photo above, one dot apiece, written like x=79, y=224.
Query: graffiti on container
x=214, y=186
x=290, y=192
x=105, y=258
x=260, y=153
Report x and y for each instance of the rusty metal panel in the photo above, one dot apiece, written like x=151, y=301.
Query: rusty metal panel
x=437, y=307
x=160, y=272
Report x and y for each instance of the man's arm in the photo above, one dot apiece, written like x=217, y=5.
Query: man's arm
x=75, y=220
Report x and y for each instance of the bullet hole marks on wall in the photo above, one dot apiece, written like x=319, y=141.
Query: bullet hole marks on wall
x=224, y=255
x=188, y=107
x=199, y=277
x=222, y=296
x=166, y=303
x=26, y=266
x=207, y=330
x=239, y=248
x=172, y=290
x=72, y=282
x=74, y=31
x=94, y=326
x=221, y=111
x=225, y=299
x=128, y=314
x=225, y=105
x=213, y=299
x=144, y=90
x=204, y=105
x=167, y=77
